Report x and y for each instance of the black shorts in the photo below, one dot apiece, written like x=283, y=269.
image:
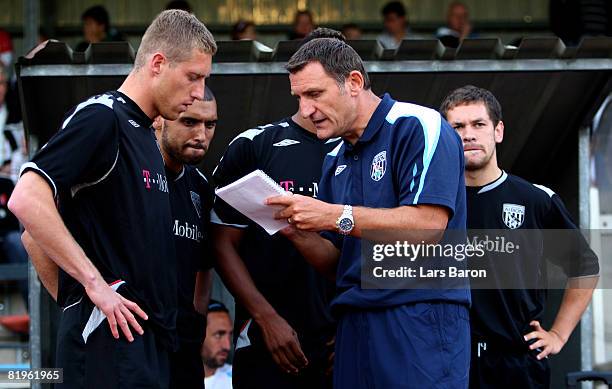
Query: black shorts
x=186, y=368
x=254, y=368
x=103, y=361
x=499, y=368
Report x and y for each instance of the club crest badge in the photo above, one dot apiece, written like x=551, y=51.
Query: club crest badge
x=379, y=166
x=195, y=199
x=513, y=215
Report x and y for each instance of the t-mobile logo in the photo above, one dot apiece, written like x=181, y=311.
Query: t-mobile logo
x=160, y=181
x=147, y=180
x=287, y=185
x=309, y=190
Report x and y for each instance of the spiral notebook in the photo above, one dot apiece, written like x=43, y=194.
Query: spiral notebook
x=248, y=195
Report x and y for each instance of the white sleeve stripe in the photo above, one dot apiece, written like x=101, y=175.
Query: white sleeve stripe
x=548, y=191
x=214, y=218
x=248, y=134
x=33, y=166
x=102, y=99
x=431, y=122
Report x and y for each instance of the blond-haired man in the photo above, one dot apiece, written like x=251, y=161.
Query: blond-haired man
x=111, y=233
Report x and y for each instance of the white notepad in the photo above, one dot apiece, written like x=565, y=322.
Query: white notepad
x=248, y=196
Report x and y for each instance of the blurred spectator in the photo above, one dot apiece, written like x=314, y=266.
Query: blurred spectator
x=244, y=29
x=303, y=24
x=97, y=27
x=10, y=95
x=12, y=142
x=6, y=49
x=458, y=25
x=570, y=20
x=351, y=31
x=395, y=20
x=13, y=251
x=179, y=4
x=10, y=237
x=216, y=347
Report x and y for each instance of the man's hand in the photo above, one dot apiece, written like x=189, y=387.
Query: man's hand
x=306, y=213
x=117, y=309
x=549, y=342
x=282, y=341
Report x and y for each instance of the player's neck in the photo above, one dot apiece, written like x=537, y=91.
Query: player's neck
x=134, y=88
x=209, y=371
x=304, y=123
x=170, y=163
x=484, y=176
x=368, y=102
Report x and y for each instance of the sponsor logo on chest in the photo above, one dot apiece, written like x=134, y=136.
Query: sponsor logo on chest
x=306, y=190
x=513, y=215
x=187, y=230
x=154, y=181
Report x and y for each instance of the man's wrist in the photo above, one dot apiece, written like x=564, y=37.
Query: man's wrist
x=335, y=213
x=345, y=222
x=93, y=281
x=558, y=335
x=265, y=312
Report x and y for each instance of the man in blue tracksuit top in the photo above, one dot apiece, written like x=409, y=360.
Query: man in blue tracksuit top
x=399, y=168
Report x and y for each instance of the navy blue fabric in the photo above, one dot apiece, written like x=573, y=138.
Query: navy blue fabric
x=423, y=345
x=408, y=155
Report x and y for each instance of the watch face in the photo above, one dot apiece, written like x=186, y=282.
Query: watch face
x=345, y=224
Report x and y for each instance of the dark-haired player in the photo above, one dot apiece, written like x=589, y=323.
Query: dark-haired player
x=283, y=325
x=509, y=344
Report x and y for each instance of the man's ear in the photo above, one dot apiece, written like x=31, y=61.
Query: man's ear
x=499, y=132
x=355, y=82
x=158, y=123
x=156, y=63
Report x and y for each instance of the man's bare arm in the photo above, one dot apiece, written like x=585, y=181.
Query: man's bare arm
x=201, y=295
x=575, y=301
x=45, y=267
x=412, y=223
x=319, y=252
x=33, y=204
x=281, y=340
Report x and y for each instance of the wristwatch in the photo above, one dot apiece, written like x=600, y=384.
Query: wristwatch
x=345, y=222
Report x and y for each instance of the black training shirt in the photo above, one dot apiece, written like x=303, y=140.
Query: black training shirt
x=292, y=157
x=191, y=201
x=107, y=174
x=503, y=315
